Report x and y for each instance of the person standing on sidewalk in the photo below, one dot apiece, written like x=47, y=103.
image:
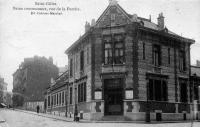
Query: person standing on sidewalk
x=38, y=108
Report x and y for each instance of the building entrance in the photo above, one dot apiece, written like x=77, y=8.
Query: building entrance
x=113, y=96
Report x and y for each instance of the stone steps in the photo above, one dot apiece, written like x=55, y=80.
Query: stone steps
x=115, y=118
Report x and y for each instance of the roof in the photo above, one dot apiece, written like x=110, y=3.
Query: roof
x=147, y=24
x=61, y=81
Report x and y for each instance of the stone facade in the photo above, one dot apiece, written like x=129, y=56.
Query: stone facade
x=125, y=57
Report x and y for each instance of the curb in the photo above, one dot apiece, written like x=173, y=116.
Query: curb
x=42, y=115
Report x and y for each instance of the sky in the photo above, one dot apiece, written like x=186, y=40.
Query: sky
x=24, y=35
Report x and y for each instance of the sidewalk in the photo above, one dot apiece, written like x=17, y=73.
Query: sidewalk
x=67, y=119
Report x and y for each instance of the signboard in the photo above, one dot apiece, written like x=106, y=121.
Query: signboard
x=129, y=94
x=98, y=95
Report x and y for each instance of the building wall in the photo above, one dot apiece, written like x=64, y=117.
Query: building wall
x=33, y=77
x=33, y=105
x=60, y=108
x=134, y=70
x=78, y=76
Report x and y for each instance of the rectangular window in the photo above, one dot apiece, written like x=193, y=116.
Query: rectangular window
x=70, y=93
x=49, y=103
x=71, y=68
x=151, y=90
x=119, y=53
x=63, y=97
x=54, y=99
x=182, y=62
x=82, y=92
x=85, y=90
x=82, y=61
x=108, y=53
x=113, y=51
x=169, y=55
x=59, y=98
x=183, y=91
x=156, y=55
x=88, y=55
x=79, y=93
x=144, y=51
x=158, y=90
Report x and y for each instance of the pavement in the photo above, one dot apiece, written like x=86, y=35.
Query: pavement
x=67, y=119
x=21, y=118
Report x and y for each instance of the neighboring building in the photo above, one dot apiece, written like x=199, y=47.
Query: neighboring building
x=195, y=89
x=3, y=84
x=62, y=70
x=127, y=65
x=56, y=96
x=31, y=80
x=3, y=90
x=8, y=98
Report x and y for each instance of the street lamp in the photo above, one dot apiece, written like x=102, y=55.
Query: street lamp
x=192, y=110
x=66, y=98
x=147, y=106
x=75, y=108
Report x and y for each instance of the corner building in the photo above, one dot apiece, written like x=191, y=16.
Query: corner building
x=128, y=68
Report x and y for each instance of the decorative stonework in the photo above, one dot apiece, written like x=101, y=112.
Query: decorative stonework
x=112, y=2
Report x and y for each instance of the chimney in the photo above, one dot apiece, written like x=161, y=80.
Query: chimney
x=93, y=23
x=161, y=23
x=87, y=26
x=150, y=18
x=51, y=59
x=134, y=18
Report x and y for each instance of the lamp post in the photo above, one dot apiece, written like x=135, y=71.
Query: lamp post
x=75, y=107
x=192, y=111
x=147, y=106
x=66, y=98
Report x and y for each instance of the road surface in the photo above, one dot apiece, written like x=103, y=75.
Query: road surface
x=20, y=119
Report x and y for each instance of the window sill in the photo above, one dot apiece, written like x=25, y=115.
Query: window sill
x=183, y=71
x=107, y=65
x=158, y=101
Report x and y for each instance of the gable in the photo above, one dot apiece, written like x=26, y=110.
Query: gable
x=114, y=15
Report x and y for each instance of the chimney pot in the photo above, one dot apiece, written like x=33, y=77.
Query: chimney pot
x=134, y=18
x=93, y=23
x=161, y=22
x=87, y=26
